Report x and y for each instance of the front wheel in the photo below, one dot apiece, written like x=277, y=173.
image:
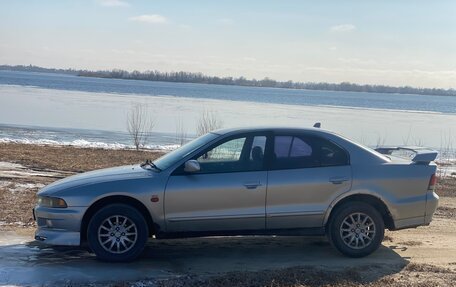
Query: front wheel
x=356, y=229
x=117, y=233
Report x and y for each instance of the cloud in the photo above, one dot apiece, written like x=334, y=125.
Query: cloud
x=113, y=3
x=151, y=19
x=342, y=28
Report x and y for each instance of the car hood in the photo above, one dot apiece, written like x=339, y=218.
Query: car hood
x=98, y=176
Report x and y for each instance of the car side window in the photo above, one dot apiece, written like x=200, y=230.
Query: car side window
x=330, y=154
x=291, y=152
x=305, y=152
x=256, y=158
x=229, y=151
x=235, y=155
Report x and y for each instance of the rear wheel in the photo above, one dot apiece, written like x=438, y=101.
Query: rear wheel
x=117, y=233
x=356, y=229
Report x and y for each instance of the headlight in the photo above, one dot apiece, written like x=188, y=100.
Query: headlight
x=47, y=201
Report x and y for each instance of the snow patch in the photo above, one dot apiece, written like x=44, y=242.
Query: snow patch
x=82, y=143
x=19, y=187
x=4, y=183
x=14, y=170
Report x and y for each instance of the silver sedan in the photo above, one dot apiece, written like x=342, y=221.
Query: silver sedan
x=256, y=181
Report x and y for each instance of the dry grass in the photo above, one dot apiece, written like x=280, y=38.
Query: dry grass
x=20, y=201
x=419, y=267
x=370, y=276
x=297, y=276
x=446, y=212
x=71, y=158
x=446, y=187
x=387, y=238
x=411, y=243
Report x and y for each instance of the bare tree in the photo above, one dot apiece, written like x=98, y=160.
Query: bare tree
x=447, y=153
x=181, y=132
x=380, y=141
x=139, y=125
x=207, y=122
x=362, y=139
x=406, y=139
x=418, y=141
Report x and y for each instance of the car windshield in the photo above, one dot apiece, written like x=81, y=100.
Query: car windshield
x=170, y=158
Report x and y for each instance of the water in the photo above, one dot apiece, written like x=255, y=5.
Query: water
x=71, y=110
x=442, y=104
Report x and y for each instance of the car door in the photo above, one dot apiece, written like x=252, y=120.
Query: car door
x=228, y=193
x=306, y=174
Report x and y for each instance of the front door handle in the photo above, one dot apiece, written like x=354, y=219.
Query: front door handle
x=252, y=185
x=338, y=179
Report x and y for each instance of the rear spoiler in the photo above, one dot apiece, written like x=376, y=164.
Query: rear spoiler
x=420, y=154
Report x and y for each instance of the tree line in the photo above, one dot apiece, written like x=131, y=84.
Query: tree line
x=200, y=78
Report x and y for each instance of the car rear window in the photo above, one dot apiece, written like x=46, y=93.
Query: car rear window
x=305, y=152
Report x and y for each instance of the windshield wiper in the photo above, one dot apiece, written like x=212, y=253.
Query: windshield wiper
x=149, y=163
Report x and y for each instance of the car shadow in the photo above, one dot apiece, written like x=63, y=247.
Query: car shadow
x=34, y=262
x=252, y=253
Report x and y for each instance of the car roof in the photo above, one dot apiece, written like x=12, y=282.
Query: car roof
x=237, y=130
x=358, y=153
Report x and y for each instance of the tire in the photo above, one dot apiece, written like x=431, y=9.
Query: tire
x=117, y=233
x=356, y=229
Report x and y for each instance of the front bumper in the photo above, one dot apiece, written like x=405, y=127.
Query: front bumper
x=59, y=226
x=58, y=237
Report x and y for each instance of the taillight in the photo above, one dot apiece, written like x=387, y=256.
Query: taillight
x=432, y=182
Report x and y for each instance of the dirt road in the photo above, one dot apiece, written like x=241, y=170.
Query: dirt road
x=25, y=262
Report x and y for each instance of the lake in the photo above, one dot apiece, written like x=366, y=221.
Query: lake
x=442, y=104
x=40, y=107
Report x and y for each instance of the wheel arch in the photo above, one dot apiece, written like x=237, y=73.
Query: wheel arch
x=123, y=199
x=370, y=199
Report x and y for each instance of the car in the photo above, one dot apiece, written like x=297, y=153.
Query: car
x=245, y=181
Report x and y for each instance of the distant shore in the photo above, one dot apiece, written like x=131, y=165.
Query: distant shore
x=200, y=78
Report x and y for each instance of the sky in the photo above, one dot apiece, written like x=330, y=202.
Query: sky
x=368, y=42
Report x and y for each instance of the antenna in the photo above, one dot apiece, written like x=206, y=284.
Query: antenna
x=317, y=125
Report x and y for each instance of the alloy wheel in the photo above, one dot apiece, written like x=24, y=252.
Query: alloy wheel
x=117, y=234
x=357, y=230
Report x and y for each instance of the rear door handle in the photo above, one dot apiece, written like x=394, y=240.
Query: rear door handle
x=252, y=185
x=338, y=179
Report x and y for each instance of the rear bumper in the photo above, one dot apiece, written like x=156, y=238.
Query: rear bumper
x=59, y=226
x=432, y=202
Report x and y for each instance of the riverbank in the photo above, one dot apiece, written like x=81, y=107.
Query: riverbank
x=424, y=256
x=72, y=159
x=25, y=168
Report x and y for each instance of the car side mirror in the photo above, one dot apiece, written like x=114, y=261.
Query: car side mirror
x=192, y=166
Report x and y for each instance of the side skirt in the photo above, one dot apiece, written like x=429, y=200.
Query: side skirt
x=314, y=231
